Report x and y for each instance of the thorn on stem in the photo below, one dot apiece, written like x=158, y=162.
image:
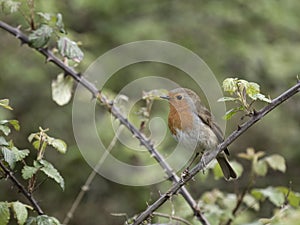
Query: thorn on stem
x=255, y=113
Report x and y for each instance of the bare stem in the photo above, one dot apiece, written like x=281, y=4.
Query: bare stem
x=26, y=193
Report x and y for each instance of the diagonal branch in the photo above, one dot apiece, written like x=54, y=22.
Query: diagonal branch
x=50, y=57
x=207, y=158
x=27, y=194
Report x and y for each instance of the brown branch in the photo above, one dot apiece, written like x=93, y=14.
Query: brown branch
x=50, y=57
x=207, y=158
x=26, y=193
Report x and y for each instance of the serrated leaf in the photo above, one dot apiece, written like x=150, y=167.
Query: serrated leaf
x=51, y=172
x=260, y=168
x=20, y=154
x=69, y=49
x=9, y=157
x=5, y=104
x=29, y=171
x=4, y=213
x=40, y=37
x=59, y=145
x=46, y=220
x=5, y=129
x=230, y=85
x=20, y=212
x=3, y=142
x=62, y=89
x=276, y=162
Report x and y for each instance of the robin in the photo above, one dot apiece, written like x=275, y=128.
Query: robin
x=193, y=125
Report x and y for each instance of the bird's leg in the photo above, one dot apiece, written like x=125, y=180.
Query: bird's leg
x=186, y=170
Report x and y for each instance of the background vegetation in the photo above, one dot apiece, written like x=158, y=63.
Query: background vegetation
x=256, y=40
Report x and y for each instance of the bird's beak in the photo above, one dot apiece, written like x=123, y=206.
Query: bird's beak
x=165, y=97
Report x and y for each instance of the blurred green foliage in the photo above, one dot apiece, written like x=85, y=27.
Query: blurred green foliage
x=253, y=40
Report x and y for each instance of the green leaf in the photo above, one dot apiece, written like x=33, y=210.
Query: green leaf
x=231, y=112
x=51, y=172
x=46, y=220
x=69, y=49
x=59, y=145
x=46, y=16
x=41, y=36
x=28, y=171
x=4, y=213
x=251, y=202
x=252, y=89
x=14, y=123
x=261, y=97
x=5, y=104
x=260, y=168
x=3, y=142
x=230, y=85
x=31, y=221
x=20, y=212
x=293, y=197
x=5, y=129
x=274, y=195
x=10, y=6
x=20, y=154
x=62, y=89
x=227, y=99
x=9, y=157
x=59, y=23
x=32, y=136
x=276, y=162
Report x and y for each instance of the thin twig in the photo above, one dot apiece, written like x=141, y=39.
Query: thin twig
x=50, y=57
x=207, y=158
x=172, y=217
x=26, y=193
x=91, y=177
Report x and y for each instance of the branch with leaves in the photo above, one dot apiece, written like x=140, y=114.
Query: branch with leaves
x=207, y=158
x=108, y=104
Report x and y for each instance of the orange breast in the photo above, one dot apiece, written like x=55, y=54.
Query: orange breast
x=182, y=120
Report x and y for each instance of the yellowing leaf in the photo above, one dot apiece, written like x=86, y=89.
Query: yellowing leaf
x=276, y=162
x=20, y=212
x=4, y=213
x=62, y=89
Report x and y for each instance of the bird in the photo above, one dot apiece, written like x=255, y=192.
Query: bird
x=192, y=124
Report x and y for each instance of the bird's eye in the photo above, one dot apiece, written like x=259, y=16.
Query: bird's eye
x=179, y=97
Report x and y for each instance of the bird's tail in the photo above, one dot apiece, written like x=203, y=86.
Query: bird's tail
x=226, y=167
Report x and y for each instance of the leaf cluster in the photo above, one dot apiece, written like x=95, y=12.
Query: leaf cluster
x=10, y=155
x=243, y=93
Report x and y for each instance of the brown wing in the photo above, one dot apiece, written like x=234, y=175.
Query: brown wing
x=206, y=118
